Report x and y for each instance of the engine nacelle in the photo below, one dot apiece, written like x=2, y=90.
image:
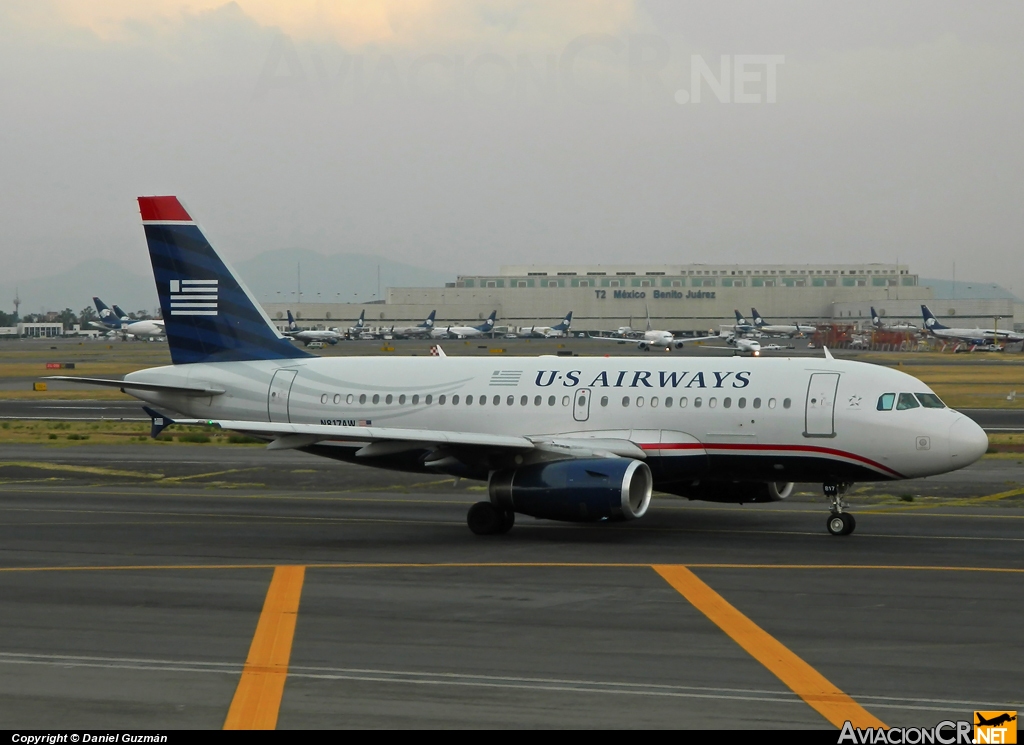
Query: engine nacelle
x=581, y=490
x=732, y=491
x=677, y=344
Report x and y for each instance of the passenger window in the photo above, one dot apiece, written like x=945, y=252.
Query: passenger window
x=389, y=399
x=429, y=399
x=757, y=403
x=349, y=398
x=696, y=403
x=625, y=400
x=362, y=398
x=323, y=398
x=668, y=402
x=712, y=402
x=537, y=400
x=930, y=401
x=907, y=401
x=771, y=403
x=551, y=400
x=415, y=398
x=441, y=399
x=497, y=401
x=401, y=399
x=337, y=398
x=469, y=400
x=682, y=402
x=654, y=401
x=524, y=400
x=885, y=401
x=565, y=400
x=511, y=400
x=639, y=400
x=727, y=402
x=604, y=400
x=742, y=403
x=786, y=403
x=376, y=398
x=455, y=400
x=483, y=400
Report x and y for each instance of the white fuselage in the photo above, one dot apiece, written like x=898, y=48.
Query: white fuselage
x=326, y=335
x=145, y=329
x=777, y=419
x=975, y=335
x=785, y=329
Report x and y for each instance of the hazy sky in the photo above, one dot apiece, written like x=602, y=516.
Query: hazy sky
x=465, y=135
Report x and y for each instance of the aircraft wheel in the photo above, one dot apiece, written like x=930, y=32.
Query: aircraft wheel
x=840, y=523
x=508, y=519
x=484, y=519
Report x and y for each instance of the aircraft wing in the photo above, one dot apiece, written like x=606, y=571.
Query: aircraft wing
x=390, y=440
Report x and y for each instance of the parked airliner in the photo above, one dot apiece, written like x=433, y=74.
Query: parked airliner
x=549, y=332
x=465, y=332
x=562, y=438
x=307, y=336
x=781, y=329
x=969, y=336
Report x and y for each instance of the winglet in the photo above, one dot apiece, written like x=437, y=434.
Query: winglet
x=160, y=422
x=828, y=354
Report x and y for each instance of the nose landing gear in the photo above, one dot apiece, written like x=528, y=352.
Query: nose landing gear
x=839, y=522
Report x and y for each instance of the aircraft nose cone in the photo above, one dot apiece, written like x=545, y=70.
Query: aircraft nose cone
x=967, y=441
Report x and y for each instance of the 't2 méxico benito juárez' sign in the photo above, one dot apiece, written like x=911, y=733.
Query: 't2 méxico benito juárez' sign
x=656, y=294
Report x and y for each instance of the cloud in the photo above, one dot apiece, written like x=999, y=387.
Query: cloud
x=356, y=23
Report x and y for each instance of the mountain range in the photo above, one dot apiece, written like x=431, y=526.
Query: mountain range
x=273, y=276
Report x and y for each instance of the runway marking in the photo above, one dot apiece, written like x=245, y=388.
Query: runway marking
x=506, y=565
x=93, y=470
x=411, y=677
x=258, y=696
x=806, y=682
x=176, y=479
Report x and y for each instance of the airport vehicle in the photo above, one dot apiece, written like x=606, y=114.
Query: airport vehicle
x=420, y=330
x=780, y=329
x=576, y=439
x=881, y=325
x=307, y=336
x=976, y=336
x=549, y=332
x=466, y=332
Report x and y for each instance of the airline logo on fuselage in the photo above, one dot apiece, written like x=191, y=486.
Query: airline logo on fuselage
x=644, y=379
x=193, y=297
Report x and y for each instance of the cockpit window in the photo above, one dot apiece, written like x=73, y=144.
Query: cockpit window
x=930, y=401
x=907, y=401
x=885, y=401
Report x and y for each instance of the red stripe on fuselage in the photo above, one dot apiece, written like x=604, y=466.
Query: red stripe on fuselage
x=749, y=447
x=163, y=209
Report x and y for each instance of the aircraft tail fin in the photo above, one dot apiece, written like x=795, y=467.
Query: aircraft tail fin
x=565, y=324
x=209, y=314
x=739, y=319
x=758, y=321
x=120, y=313
x=930, y=321
x=875, y=319
x=362, y=320
x=429, y=323
x=292, y=326
x=489, y=323
x=106, y=315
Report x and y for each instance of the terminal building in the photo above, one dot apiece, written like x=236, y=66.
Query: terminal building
x=678, y=297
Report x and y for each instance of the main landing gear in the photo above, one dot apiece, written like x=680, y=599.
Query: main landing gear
x=486, y=519
x=839, y=522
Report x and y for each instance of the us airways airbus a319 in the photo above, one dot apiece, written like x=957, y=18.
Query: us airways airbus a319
x=576, y=439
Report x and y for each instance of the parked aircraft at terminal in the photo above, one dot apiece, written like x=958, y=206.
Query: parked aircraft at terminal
x=549, y=332
x=578, y=439
x=116, y=321
x=420, y=330
x=968, y=336
x=306, y=336
x=465, y=332
x=881, y=325
x=780, y=329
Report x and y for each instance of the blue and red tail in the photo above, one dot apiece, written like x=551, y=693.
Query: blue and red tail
x=209, y=313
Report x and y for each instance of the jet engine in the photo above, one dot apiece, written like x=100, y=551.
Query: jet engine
x=732, y=491
x=581, y=490
x=677, y=344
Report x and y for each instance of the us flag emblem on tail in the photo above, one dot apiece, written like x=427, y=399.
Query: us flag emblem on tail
x=193, y=297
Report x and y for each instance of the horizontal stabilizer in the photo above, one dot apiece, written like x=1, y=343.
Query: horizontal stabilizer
x=123, y=384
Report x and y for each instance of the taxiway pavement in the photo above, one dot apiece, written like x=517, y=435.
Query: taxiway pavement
x=133, y=579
